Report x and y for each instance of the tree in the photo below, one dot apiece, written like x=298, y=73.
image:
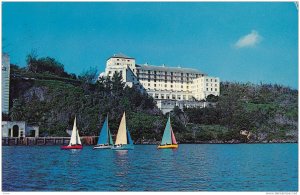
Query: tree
x=17, y=111
x=89, y=76
x=212, y=98
x=117, y=83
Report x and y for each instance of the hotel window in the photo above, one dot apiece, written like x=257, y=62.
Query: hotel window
x=215, y=80
x=162, y=96
x=109, y=72
x=118, y=59
x=156, y=96
x=183, y=97
x=165, y=85
x=154, y=85
x=128, y=60
x=206, y=84
x=181, y=86
x=118, y=63
x=148, y=84
x=148, y=80
x=215, y=85
x=206, y=79
x=206, y=89
x=211, y=80
x=171, y=86
x=216, y=89
x=168, y=97
x=173, y=97
x=211, y=89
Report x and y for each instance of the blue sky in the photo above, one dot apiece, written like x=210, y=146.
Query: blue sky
x=245, y=42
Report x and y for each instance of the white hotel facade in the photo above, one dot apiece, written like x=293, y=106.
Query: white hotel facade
x=169, y=86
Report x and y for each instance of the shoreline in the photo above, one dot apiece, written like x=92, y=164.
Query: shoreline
x=91, y=140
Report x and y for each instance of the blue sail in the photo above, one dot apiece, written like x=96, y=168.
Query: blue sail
x=103, y=138
x=129, y=138
x=167, y=138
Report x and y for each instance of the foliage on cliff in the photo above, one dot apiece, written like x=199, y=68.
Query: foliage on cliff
x=269, y=112
x=45, y=94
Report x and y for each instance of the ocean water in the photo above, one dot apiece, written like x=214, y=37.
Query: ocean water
x=192, y=167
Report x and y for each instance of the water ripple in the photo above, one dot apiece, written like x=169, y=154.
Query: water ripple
x=256, y=167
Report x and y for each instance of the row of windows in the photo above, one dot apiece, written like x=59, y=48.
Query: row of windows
x=164, y=77
x=121, y=64
x=167, y=76
x=212, y=84
x=171, y=86
x=211, y=89
x=166, y=81
x=173, y=96
x=211, y=80
x=123, y=60
x=163, y=73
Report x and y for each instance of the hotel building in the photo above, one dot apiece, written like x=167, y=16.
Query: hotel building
x=169, y=86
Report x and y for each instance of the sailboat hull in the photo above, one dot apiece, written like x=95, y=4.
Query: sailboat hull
x=123, y=147
x=170, y=146
x=71, y=147
x=102, y=147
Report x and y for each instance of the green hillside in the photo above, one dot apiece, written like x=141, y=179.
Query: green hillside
x=44, y=94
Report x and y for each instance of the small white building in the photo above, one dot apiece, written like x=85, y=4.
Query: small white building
x=19, y=129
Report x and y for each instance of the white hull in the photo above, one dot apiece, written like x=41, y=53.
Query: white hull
x=102, y=147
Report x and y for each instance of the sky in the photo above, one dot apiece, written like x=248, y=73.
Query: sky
x=240, y=42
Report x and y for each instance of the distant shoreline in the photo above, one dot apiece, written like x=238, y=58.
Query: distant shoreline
x=91, y=140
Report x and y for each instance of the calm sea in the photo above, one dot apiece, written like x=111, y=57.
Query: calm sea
x=211, y=167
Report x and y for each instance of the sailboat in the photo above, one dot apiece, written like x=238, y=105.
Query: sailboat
x=168, y=141
x=105, y=140
x=75, y=142
x=123, y=141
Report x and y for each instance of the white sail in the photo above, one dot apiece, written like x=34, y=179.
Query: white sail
x=78, y=137
x=73, y=140
x=122, y=136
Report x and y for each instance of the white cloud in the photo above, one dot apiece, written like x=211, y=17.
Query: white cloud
x=249, y=40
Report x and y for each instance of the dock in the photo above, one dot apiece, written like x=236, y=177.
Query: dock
x=40, y=141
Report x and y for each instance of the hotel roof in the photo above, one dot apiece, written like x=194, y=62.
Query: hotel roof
x=120, y=55
x=169, y=69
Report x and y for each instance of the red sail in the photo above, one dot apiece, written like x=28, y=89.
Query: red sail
x=173, y=137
